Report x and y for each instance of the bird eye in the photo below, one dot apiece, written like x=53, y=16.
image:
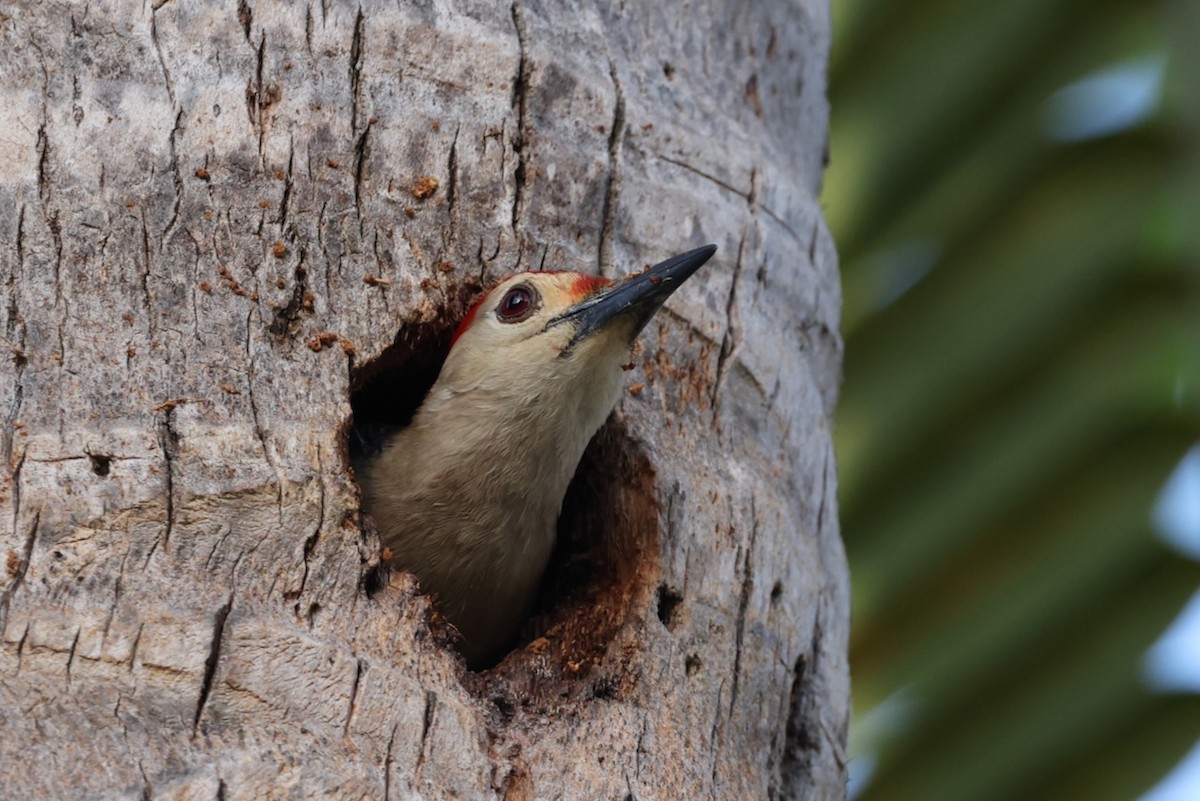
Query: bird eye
x=517, y=304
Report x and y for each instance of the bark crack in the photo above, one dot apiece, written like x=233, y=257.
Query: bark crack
x=784, y=225
x=112, y=609
x=308, y=29
x=147, y=259
x=212, y=552
x=210, y=664
x=708, y=177
x=133, y=650
x=15, y=279
x=388, y=761
x=356, y=55
x=521, y=138
x=21, y=646
x=162, y=61
x=71, y=654
x=168, y=440
x=259, y=432
x=176, y=179
x=8, y=435
x=257, y=98
x=824, y=497
x=743, y=603
x=287, y=183
x=147, y=787
x=50, y=215
x=616, y=137
x=729, y=339
x=640, y=751
x=712, y=739
x=426, y=725
x=310, y=543
x=451, y=189
x=802, y=740
x=360, y=667
x=245, y=15
x=812, y=242
x=43, y=163
x=362, y=151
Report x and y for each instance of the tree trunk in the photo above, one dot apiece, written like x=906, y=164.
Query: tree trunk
x=223, y=227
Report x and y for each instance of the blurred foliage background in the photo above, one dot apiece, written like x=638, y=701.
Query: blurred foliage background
x=1015, y=190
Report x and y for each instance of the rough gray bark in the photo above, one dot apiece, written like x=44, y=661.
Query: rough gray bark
x=215, y=217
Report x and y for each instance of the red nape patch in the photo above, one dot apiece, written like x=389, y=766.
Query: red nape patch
x=588, y=284
x=584, y=284
x=470, y=318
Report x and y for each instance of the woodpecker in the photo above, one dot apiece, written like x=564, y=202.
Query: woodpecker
x=467, y=496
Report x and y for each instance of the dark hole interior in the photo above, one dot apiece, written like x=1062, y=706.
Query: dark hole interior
x=604, y=566
x=101, y=463
x=387, y=391
x=669, y=599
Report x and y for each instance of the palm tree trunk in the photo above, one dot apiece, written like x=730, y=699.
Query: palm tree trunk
x=223, y=227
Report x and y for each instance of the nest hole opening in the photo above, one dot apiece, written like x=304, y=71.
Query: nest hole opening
x=601, y=575
x=669, y=598
x=604, y=569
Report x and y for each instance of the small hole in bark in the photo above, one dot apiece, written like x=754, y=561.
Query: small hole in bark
x=803, y=728
x=669, y=599
x=692, y=664
x=504, y=707
x=776, y=592
x=375, y=578
x=101, y=464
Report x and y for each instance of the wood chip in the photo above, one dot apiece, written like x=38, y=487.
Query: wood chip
x=425, y=187
x=322, y=341
x=170, y=404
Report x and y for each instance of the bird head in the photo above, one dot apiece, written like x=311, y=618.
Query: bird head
x=555, y=341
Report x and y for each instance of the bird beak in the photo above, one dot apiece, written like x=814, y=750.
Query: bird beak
x=636, y=298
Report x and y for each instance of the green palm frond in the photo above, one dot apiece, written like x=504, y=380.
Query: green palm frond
x=1022, y=375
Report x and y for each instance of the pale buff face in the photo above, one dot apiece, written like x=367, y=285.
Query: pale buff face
x=508, y=345
x=551, y=292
